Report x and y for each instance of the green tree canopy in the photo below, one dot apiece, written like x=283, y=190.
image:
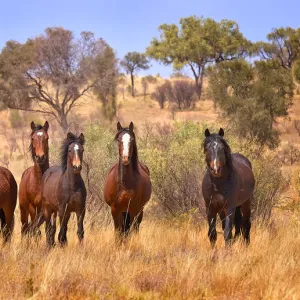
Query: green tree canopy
x=283, y=45
x=196, y=43
x=49, y=74
x=132, y=63
x=252, y=96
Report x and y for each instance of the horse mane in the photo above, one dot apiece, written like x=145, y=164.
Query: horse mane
x=72, y=138
x=37, y=127
x=134, y=158
x=216, y=137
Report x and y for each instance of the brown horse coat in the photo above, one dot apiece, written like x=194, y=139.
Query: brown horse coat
x=30, y=186
x=8, y=201
x=64, y=192
x=128, y=186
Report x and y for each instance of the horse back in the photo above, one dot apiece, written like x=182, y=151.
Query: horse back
x=244, y=177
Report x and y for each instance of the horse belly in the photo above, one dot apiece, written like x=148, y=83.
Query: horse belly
x=126, y=200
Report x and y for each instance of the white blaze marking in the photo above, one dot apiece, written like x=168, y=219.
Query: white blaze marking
x=39, y=133
x=76, y=148
x=215, y=165
x=125, y=141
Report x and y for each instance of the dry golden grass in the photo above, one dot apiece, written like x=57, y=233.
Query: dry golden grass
x=165, y=261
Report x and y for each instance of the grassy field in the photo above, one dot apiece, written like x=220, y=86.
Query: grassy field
x=167, y=260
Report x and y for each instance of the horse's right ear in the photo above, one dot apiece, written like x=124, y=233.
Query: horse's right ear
x=46, y=126
x=221, y=132
x=119, y=126
x=69, y=135
x=81, y=138
x=207, y=133
x=32, y=125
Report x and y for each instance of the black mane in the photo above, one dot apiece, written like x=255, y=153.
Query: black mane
x=72, y=138
x=37, y=127
x=217, y=137
x=134, y=158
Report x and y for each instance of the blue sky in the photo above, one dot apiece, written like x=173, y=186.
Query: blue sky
x=129, y=25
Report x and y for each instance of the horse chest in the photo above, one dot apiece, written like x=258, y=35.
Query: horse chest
x=125, y=196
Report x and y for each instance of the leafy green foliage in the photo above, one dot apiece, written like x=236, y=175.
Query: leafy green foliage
x=283, y=46
x=252, y=96
x=197, y=42
x=132, y=63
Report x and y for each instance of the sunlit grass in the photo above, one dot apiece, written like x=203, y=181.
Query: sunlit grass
x=166, y=260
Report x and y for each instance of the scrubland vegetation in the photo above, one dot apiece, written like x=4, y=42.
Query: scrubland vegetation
x=77, y=85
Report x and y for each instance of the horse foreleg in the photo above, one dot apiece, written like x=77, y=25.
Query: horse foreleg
x=24, y=210
x=138, y=221
x=246, y=221
x=80, y=230
x=212, y=232
x=50, y=228
x=64, y=216
x=229, y=219
x=7, y=227
x=237, y=222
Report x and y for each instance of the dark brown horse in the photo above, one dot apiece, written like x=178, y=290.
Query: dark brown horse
x=128, y=187
x=8, y=201
x=63, y=191
x=227, y=188
x=30, y=186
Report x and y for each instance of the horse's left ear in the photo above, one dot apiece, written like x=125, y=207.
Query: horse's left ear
x=119, y=126
x=32, y=125
x=221, y=132
x=207, y=133
x=81, y=139
x=46, y=126
x=131, y=127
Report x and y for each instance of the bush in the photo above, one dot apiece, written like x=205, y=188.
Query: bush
x=176, y=161
x=161, y=94
x=183, y=94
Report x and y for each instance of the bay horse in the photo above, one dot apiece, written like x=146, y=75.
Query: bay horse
x=128, y=187
x=227, y=188
x=30, y=198
x=64, y=192
x=8, y=201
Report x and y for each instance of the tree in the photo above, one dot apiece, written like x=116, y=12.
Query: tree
x=50, y=74
x=196, y=43
x=284, y=46
x=144, y=86
x=162, y=93
x=252, y=96
x=132, y=63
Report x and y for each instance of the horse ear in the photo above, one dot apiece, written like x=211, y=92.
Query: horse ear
x=221, y=132
x=69, y=135
x=81, y=139
x=119, y=126
x=131, y=127
x=207, y=133
x=32, y=125
x=46, y=126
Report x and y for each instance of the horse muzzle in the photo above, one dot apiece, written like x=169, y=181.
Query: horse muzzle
x=40, y=159
x=77, y=168
x=125, y=160
x=216, y=172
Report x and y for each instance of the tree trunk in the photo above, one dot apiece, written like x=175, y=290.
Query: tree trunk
x=63, y=122
x=132, y=85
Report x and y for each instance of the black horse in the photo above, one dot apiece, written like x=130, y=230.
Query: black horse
x=227, y=188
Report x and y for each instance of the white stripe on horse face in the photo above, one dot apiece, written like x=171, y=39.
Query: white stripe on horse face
x=215, y=165
x=125, y=141
x=39, y=133
x=76, y=148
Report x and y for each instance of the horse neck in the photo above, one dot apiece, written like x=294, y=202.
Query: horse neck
x=226, y=175
x=125, y=174
x=71, y=178
x=41, y=168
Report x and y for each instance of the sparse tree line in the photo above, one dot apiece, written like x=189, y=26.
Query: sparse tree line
x=51, y=73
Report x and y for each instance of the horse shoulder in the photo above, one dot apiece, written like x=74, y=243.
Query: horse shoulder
x=145, y=168
x=109, y=186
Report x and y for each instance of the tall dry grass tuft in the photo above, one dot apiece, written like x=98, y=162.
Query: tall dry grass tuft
x=170, y=260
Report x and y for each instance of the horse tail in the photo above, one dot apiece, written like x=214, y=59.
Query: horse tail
x=125, y=222
x=2, y=218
